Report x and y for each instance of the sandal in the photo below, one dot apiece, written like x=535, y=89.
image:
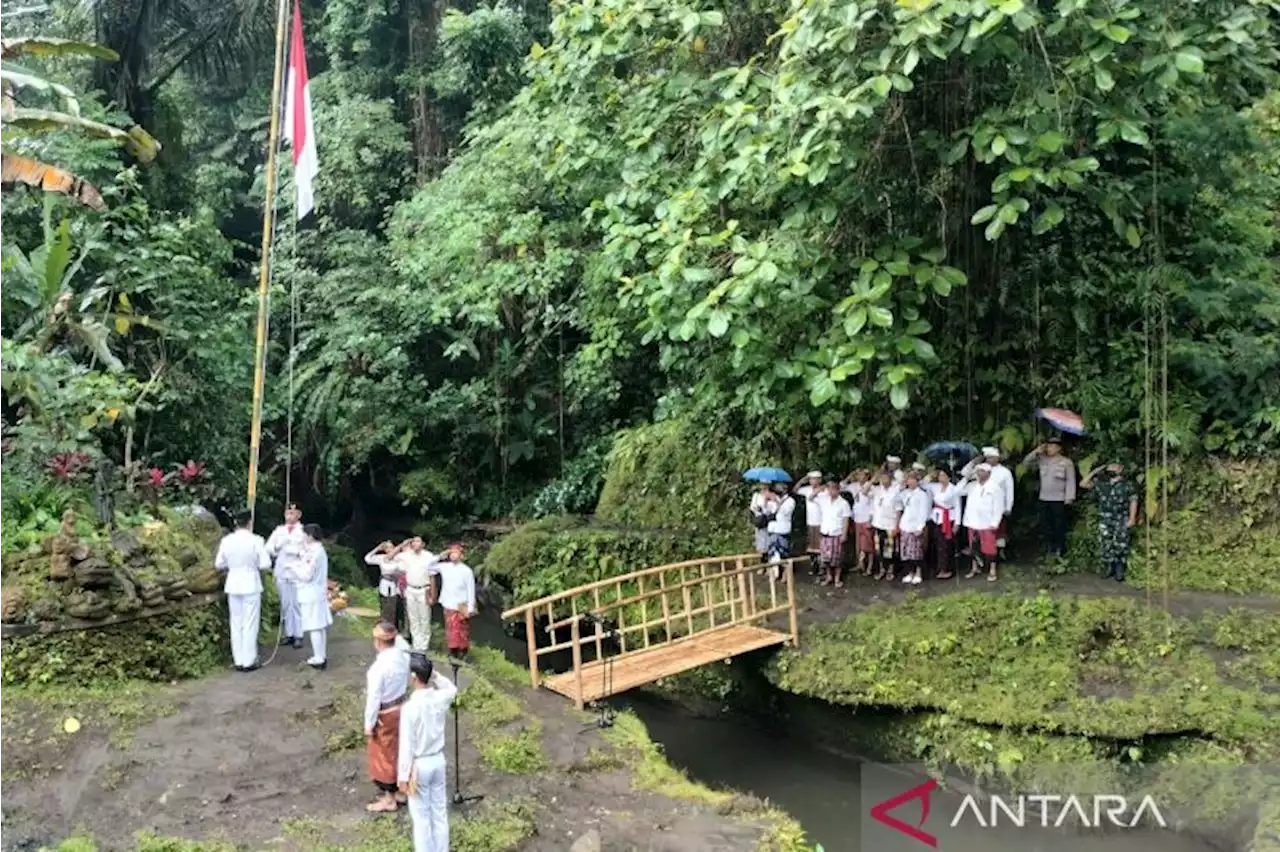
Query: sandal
x=991, y=578
x=946, y=576
x=382, y=806
x=973, y=573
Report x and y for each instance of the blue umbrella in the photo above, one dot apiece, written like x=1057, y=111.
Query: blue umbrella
x=950, y=449
x=767, y=474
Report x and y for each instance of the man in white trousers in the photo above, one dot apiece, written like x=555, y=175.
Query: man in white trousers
x=421, y=765
x=242, y=556
x=285, y=547
x=311, y=574
x=419, y=567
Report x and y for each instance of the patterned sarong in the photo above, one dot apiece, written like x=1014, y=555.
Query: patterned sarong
x=457, y=631
x=383, y=746
x=813, y=542
x=911, y=546
x=832, y=549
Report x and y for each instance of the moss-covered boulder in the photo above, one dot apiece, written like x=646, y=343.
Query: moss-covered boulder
x=681, y=475
x=555, y=554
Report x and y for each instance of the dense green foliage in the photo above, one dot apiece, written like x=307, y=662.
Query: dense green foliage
x=797, y=229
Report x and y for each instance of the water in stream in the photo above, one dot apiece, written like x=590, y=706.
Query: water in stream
x=824, y=791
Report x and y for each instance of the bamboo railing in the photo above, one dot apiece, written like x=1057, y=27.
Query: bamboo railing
x=660, y=606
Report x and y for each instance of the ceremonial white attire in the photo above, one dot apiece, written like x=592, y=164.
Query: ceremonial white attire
x=312, y=578
x=422, y=734
x=242, y=555
x=418, y=568
x=285, y=547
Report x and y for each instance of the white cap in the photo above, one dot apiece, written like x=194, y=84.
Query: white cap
x=813, y=474
x=919, y=467
x=984, y=466
x=893, y=460
x=990, y=451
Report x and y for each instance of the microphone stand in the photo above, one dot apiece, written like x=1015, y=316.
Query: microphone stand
x=459, y=798
x=605, y=714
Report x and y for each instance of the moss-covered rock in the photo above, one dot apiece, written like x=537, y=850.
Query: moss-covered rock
x=678, y=474
x=555, y=554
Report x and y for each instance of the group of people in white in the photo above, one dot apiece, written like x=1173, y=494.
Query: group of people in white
x=896, y=517
x=297, y=558
x=407, y=699
x=412, y=579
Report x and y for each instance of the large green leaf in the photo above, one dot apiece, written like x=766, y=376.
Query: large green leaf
x=17, y=78
x=48, y=46
x=138, y=142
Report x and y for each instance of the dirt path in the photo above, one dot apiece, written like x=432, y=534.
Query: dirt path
x=243, y=758
x=822, y=604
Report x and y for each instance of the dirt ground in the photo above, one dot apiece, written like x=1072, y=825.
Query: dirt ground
x=250, y=759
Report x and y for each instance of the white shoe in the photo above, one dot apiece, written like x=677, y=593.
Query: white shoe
x=915, y=581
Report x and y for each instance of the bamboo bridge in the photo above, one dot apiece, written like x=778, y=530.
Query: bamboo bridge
x=660, y=621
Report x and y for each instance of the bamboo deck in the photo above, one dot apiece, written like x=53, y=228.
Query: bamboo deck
x=637, y=668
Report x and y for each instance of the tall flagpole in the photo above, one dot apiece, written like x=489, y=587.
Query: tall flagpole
x=264, y=269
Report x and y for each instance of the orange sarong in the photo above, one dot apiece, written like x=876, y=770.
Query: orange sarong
x=383, y=748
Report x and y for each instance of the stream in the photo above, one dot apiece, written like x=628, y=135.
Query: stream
x=824, y=791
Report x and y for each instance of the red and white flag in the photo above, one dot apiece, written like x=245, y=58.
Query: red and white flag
x=298, y=129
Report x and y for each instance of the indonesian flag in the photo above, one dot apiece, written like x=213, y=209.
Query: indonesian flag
x=298, y=129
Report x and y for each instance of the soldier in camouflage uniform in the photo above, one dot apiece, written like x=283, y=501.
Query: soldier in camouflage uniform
x=1117, y=515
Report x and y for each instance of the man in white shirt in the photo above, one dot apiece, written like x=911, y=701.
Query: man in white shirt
x=983, y=511
x=421, y=765
x=285, y=547
x=418, y=565
x=836, y=512
x=780, y=527
x=242, y=555
x=914, y=507
x=1003, y=478
x=386, y=689
x=893, y=467
x=811, y=489
x=884, y=524
x=457, y=599
x=760, y=510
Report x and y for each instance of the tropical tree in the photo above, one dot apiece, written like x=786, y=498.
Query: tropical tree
x=22, y=126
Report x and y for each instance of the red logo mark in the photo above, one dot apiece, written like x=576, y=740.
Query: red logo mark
x=880, y=812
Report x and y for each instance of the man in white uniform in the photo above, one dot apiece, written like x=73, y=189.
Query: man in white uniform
x=386, y=689
x=983, y=510
x=312, y=577
x=421, y=764
x=242, y=555
x=418, y=565
x=285, y=547
x=458, y=600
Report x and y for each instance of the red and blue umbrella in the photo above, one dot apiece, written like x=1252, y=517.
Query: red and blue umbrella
x=1063, y=420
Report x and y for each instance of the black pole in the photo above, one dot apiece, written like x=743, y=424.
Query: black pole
x=458, y=797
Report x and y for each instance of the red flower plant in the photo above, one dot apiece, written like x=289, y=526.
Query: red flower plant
x=155, y=477
x=190, y=471
x=69, y=465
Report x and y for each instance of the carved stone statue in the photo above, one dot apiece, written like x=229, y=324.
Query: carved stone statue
x=104, y=499
x=61, y=546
